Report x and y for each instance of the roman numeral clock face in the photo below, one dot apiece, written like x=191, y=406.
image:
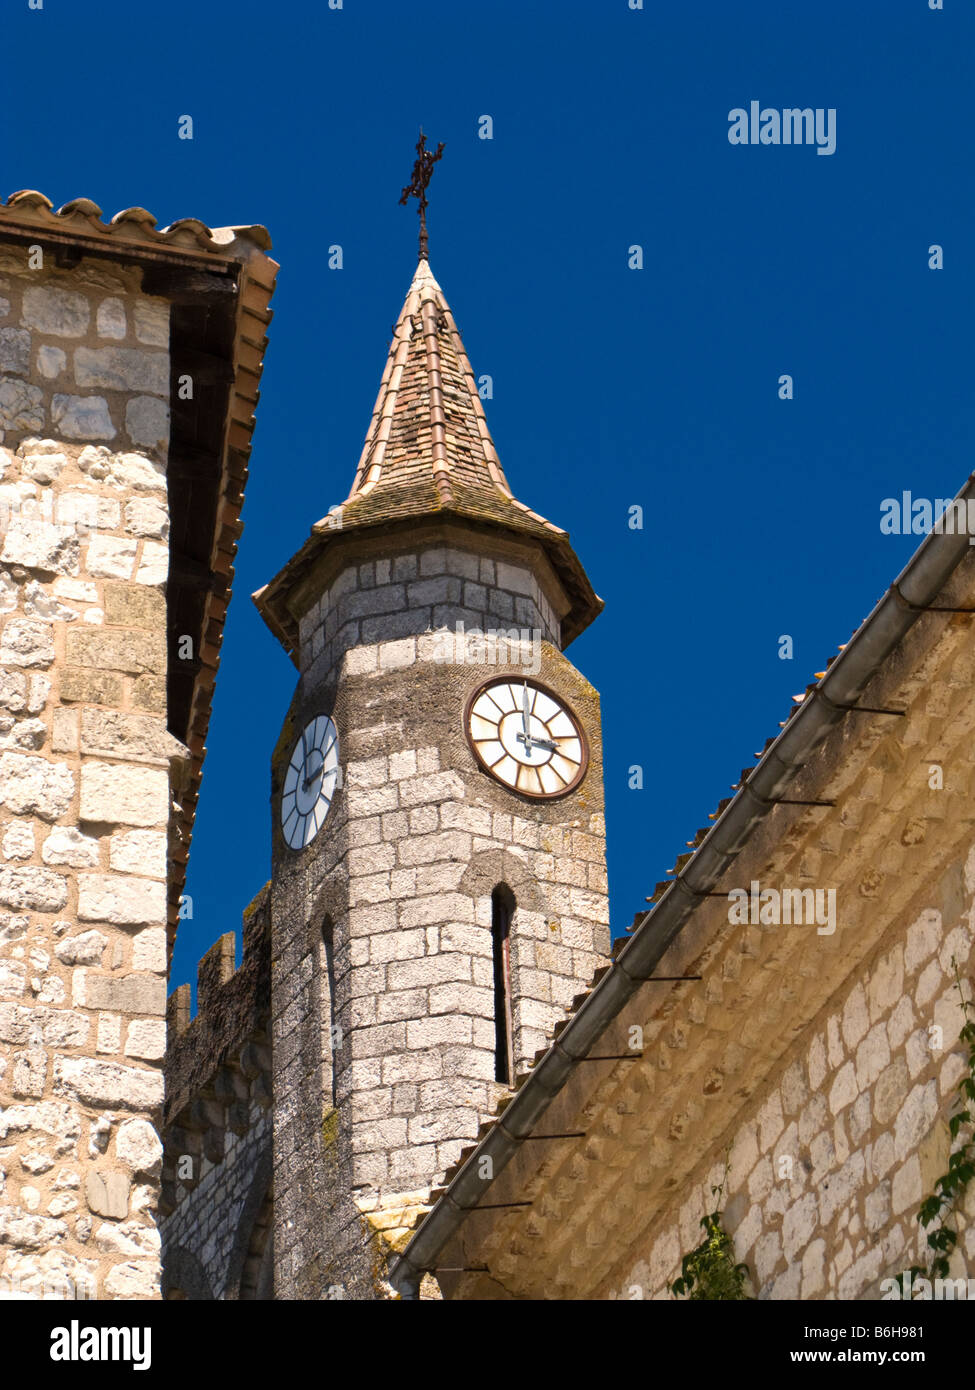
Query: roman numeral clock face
x=526, y=736
x=309, y=783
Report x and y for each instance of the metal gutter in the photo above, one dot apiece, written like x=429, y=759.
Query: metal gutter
x=915, y=588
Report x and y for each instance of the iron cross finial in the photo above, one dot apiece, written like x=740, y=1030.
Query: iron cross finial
x=417, y=187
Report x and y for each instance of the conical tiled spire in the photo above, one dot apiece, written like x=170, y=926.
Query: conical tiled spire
x=429, y=457
x=428, y=424
x=428, y=446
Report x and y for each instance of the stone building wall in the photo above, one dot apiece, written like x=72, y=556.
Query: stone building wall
x=216, y=1197
x=403, y=870
x=826, y=1172
x=399, y=596
x=84, y=776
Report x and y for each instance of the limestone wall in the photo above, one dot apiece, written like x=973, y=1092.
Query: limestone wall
x=216, y=1198
x=84, y=776
x=828, y=1167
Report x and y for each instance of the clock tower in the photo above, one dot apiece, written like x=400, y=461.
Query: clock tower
x=438, y=891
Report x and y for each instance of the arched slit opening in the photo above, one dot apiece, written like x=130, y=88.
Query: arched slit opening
x=502, y=912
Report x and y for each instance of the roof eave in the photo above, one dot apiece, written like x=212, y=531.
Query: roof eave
x=272, y=601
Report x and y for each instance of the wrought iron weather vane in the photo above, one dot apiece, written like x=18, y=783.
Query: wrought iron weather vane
x=417, y=187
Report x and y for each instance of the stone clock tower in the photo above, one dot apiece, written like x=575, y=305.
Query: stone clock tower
x=438, y=890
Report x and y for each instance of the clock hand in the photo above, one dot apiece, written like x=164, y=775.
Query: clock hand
x=312, y=776
x=526, y=737
x=532, y=741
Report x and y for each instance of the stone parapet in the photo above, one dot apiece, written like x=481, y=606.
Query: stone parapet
x=216, y=1167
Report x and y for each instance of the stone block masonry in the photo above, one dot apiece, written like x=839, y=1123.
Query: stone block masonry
x=827, y=1169
x=216, y=1197
x=84, y=777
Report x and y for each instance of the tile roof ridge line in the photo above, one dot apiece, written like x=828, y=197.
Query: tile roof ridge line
x=429, y=326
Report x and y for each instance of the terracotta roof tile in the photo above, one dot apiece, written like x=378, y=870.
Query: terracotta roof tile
x=81, y=218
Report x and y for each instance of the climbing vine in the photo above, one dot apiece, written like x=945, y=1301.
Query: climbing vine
x=710, y=1272
x=938, y=1210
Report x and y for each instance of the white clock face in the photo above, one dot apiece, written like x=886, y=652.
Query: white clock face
x=527, y=737
x=309, y=783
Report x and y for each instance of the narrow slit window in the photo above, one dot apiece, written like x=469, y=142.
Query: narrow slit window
x=502, y=909
x=328, y=1009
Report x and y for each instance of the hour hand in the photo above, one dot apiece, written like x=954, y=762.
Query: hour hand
x=531, y=742
x=312, y=776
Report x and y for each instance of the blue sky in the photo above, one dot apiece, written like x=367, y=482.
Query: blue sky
x=612, y=387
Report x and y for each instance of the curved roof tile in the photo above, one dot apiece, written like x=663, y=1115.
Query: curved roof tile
x=29, y=207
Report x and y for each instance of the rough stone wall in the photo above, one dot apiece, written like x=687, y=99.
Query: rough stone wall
x=828, y=1168
x=84, y=777
x=217, y=1163
x=370, y=605
x=404, y=868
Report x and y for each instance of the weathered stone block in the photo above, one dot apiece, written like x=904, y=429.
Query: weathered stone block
x=146, y=1038
x=153, y=567
x=14, y=351
x=107, y=1083
x=51, y=361
x=18, y=840
x=41, y=889
x=107, y=1193
x=67, y=845
x=121, y=901
x=915, y=1118
x=84, y=949
x=111, y=557
x=138, y=1147
x=26, y=1232
x=64, y=731
x=82, y=417
x=152, y=321
x=923, y=938
x=126, y=994
x=111, y=320
x=147, y=422
x=124, y=795
x=58, y=313
x=122, y=369
x=26, y=643
x=33, y=786
x=87, y=511
x=149, y=950
x=13, y=690
x=30, y=1073
x=135, y=653
x=138, y=852
x=137, y=1279
x=136, y=737
x=57, y=1027
x=21, y=406
x=144, y=517
x=149, y=693
x=91, y=686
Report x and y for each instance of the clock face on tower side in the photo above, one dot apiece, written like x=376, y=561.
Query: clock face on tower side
x=309, y=783
x=527, y=737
